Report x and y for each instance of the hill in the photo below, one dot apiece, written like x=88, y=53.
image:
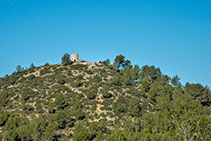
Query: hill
x=101, y=101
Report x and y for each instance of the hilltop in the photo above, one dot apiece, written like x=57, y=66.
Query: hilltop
x=101, y=101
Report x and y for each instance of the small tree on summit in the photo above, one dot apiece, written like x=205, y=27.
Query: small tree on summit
x=120, y=62
x=106, y=62
x=19, y=68
x=66, y=59
x=32, y=65
x=175, y=81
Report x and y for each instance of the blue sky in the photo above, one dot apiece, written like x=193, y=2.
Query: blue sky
x=174, y=35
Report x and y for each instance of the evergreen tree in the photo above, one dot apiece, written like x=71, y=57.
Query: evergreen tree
x=66, y=59
x=32, y=65
x=19, y=68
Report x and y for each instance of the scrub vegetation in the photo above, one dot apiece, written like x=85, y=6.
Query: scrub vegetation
x=101, y=101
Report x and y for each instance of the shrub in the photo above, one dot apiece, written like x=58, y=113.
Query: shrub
x=63, y=119
x=91, y=93
x=4, y=116
x=31, y=77
x=24, y=96
x=46, y=64
x=77, y=83
x=61, y=101
x=78, y=67
x=97, y=78
x=39, y=108
x=107, y=95
x=28, y=107
x=19, y=68
x=89, y=72
x=61, y=81
x=4, y=98
x=44, y=71
x=105, y=92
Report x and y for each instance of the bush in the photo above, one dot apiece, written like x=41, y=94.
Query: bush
x=61, y=101
x=79, y=113
x=89, y=72
x=46, y=64
x=77, y=83
x=117, y=79
x=92, y=93
x=39, y=108
x=44, y=71
x=97, y=78
x=63, y=119
x=107, y=95
x=78, y=67
x=19, y=68
x=28, y=107
x=3, y=118
x=61, y=81
x=105, y=92
x=24, y=96
x=31, y=77
x=4, y=98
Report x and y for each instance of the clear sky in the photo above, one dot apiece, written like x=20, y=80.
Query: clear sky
x=174, y=35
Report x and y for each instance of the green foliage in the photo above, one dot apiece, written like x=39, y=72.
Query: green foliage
x=117, y=79
x=134, y=108
x=50, y=132
x=199, y=93
x=39, y=108
x=78, y=67
x=145, y=85
x=32, y=66
x=24, y=96
x=97, y=79
x=4, y=116
x=4, y=98
x=106, y=62
x=61, y=79
x=91, y=93
x=28, y=107
x=130, y=74
x=77, y=83
x=175, y=81
x=120, y=62
x=63, y=119
x=150, y=72
x=66, y=59
x=31, y=77
x=120, y=106
x=14, y=122
x=13, y=79
x=44, y=71
x=105, y=92
x=19, y=68
x=63, y=103
x=118, y=135
x=79, y=113
x=80, y=132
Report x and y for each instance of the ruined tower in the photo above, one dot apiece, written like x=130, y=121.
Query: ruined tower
x=74, y=57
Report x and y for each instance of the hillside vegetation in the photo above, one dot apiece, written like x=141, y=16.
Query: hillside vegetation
x=85, y=101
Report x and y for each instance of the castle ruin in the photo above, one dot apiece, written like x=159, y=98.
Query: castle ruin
x=74, y=57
